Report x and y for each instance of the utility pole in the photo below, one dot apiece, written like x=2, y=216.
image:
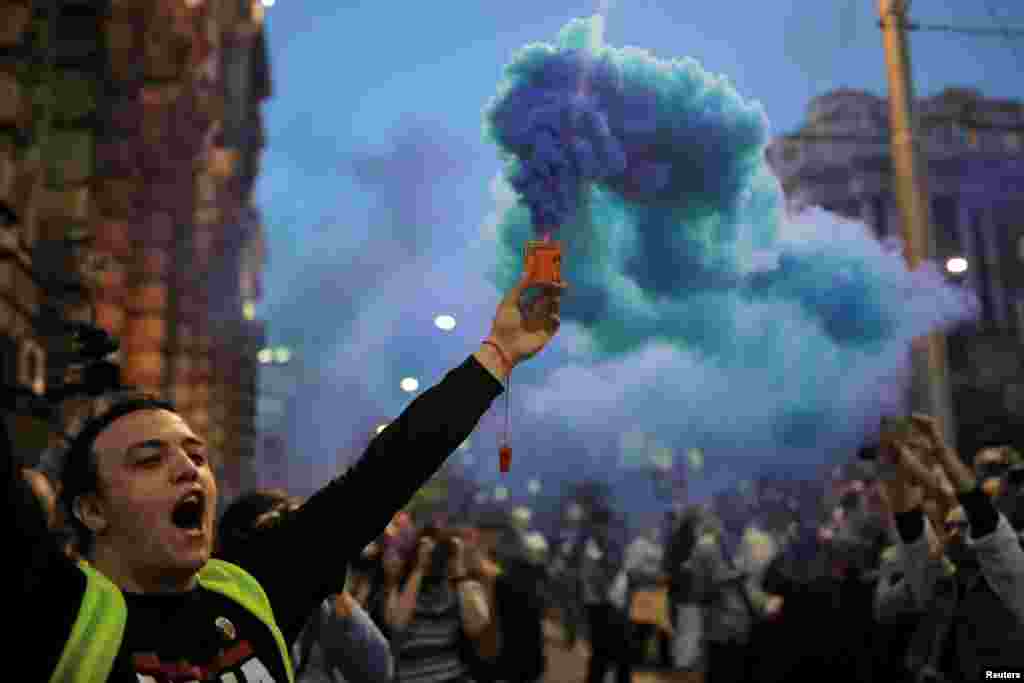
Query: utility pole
x=931, y=391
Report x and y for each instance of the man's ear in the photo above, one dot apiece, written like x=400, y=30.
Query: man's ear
x=89, y=511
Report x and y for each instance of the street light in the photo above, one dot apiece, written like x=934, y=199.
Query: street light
x=956, y=265
x=445, y=322
x=410, y=384
x=695, y=457
x=381, y=427
x=533, y=486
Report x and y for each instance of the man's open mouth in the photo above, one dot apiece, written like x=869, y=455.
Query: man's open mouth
x=189, y=512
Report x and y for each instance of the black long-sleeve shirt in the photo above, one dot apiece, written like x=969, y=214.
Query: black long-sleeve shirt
x=293, y=564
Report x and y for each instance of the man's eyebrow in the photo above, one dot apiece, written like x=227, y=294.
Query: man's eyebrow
x=160, y=443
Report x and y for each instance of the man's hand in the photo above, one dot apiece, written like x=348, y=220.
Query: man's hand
x=522, y=333
x=45, y=492
x=344, y=605
x=901, y=495
x=773, y=607
x=960, y=476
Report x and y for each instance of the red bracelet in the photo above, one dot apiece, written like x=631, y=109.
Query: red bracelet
x=505, y=452
x=501, y=352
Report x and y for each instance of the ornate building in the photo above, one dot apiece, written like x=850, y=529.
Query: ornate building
x=130, y=137
x=974, y=149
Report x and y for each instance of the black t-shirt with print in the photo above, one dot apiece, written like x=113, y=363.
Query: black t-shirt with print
x=204, y=634
x=202, y=628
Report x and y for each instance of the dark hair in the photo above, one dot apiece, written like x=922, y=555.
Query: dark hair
x=79, y=472
x=684, y=539
x=241, y=519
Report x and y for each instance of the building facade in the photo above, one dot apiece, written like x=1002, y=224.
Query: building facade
x=281, y=377
x=129, y=142
x=974, y=151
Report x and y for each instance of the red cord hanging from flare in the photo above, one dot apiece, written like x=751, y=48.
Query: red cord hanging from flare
x=542, y=261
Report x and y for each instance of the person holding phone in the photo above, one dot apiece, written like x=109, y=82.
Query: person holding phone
x=978, y=607
x=433, y=611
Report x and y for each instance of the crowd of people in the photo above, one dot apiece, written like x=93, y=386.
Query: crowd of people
x=906, y=567
x=915, y=571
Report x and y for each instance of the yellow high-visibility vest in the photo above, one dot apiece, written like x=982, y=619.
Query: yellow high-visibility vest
x=96, y=636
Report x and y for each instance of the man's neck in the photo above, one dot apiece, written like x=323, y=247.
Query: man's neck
x=141, y=581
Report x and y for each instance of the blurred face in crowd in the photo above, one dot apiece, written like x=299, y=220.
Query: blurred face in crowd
x=956, y=525
x=989, y=466
x=956, y=539
x=153, y=515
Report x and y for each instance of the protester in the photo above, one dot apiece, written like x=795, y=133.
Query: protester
x=976, y=606
x=433, y=610
x=596, y=561
x=644, y=560
x=138, y=486
x=564, y=575
x=731, y=604
x=684, y=606
x=511, y=647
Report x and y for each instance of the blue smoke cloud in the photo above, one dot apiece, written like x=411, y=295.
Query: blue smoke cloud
x=703, y=314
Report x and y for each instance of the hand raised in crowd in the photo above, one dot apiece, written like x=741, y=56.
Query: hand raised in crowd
x=960, y=476
x=424, y=551
x=522, y=333
x=457, y=565
x=939, y=503
x=773, y=607
x=902, y=490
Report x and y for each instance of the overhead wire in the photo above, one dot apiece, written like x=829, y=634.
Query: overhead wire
x=1007, y=36
x=1005, y=32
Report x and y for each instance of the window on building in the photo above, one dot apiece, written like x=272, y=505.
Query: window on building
x=944, y=218
x=958, y=133
x=1013, y=141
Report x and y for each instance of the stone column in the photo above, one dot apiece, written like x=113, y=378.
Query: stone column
x=991, y=254
x=965, y=234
